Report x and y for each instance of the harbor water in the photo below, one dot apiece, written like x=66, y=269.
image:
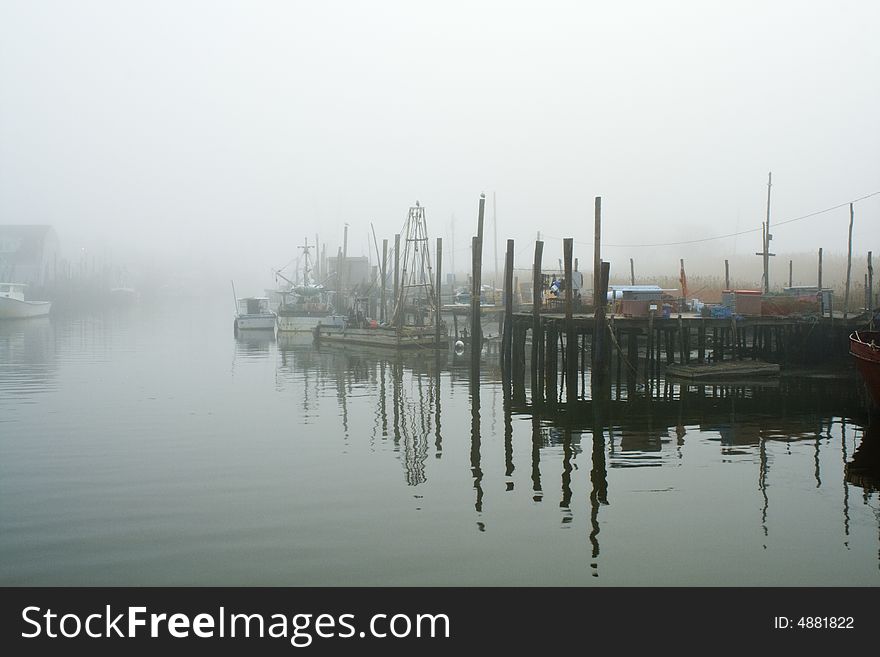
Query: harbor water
x=150, y=446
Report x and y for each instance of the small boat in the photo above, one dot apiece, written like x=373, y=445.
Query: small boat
x=254, y=314
x=725, y=371
x=865, y=348
x=14, y=306
x=304, y=306
x=370, y=334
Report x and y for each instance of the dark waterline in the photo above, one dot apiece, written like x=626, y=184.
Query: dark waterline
x=152, y=447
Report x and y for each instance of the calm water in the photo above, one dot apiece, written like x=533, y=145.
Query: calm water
x=152, y=447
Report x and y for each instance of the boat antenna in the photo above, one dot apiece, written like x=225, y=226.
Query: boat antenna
x=307, y=263
x=234, y=296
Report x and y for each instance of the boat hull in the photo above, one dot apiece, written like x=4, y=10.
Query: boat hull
x=864, y=346
x=301, y=323
x=18, y=309
x=260, y=322
x=407, y=338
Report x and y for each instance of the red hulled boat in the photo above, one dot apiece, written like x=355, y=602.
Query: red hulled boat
x=865, y=346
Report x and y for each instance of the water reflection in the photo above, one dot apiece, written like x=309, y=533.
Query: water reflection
x=747, y=423
x=864, y=468
x=405, y=387
x=323, y=465
x=864, y=471
x=27, y=357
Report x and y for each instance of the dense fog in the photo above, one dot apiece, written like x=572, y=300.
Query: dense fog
x=203, y=141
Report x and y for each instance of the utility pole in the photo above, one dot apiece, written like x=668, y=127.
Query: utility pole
x=766, y=237
x=848, y=263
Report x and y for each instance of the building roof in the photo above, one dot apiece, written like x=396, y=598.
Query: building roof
x=24, y=243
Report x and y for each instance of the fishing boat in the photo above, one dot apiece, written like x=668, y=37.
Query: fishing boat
x=413, y=322
x=304, y=305
x=865, y=348
x=14, y=306
x=254, y=314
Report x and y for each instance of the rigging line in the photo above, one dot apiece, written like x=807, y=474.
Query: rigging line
x=728, y=235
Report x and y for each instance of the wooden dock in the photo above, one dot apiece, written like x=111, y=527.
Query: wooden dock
x=565, y=351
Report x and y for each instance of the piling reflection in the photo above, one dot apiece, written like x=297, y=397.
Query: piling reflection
x=405, y=387
x=476, y=457
x=627, y=430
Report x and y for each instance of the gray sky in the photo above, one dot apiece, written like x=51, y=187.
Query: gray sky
x=235, y=129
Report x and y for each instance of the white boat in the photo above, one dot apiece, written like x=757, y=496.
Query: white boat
x=254, y=314
x=304, y=306
x=14, y=306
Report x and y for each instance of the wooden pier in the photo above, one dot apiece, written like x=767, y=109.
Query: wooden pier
x=568, y=348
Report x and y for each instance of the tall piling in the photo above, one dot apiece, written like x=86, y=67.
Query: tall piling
x=476, y=287
x=383, y=310
x=570, y=338
x=597, y=251
x=438, y=302
x=600, y=337
x=726, y=275
x=537, y=333
x=397, y=269
x=507, y=336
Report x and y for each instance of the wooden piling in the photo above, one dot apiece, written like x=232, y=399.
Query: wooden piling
x=632, y=272
x=601, y=343
x=551, y=358
x=570, y=339
x=537, y=333
x=682, y=341
x=507, y=337
x=733, y=338
x=437, y=303
x=701, y=341
x=396, y=269
x=597, y=254
x=848, y=264
x=790, y=271
x=383, y=310
x=476, y=329
x=649, y=349
x=726, y=275
x=870, y=284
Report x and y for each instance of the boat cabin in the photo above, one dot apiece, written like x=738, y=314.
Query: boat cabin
x=254, y=306
x=12, y=290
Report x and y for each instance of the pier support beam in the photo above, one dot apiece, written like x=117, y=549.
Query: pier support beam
x=597, y=254
x=600, y=335
x=507, y=336
x=537, y=332
x=476, y=289
x=551, y=361
x=570, y=338
x=383, y=310
x=438, y=304
x=396, y=268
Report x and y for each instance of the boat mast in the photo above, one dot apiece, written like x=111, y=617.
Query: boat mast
x=416, y=273
x=307, y=265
